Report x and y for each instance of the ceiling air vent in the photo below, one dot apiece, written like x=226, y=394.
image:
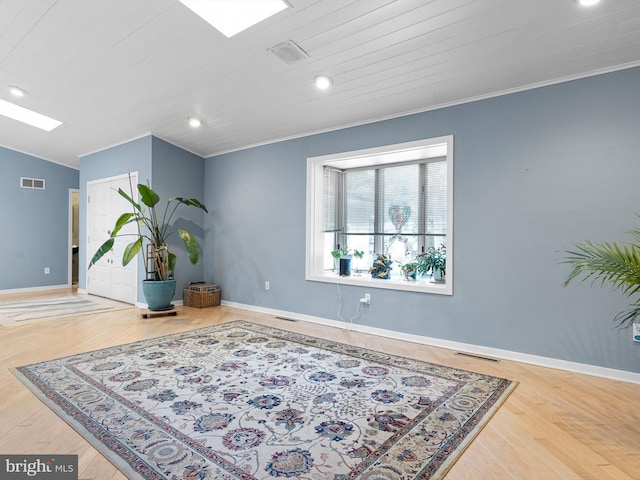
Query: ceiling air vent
x=289, y=52
x=37, y=183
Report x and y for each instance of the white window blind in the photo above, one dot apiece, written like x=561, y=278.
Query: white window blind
x=399, y=210
x=332, y=199
x=436, y=201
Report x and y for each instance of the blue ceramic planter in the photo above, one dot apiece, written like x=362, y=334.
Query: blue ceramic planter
x=159, y=294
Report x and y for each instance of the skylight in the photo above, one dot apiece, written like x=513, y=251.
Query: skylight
x=233, y=16
x=27, y=116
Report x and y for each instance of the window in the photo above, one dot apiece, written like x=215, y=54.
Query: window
x=394, y=200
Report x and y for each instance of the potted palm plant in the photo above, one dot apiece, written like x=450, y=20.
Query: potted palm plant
x=154, y=228
x=614, y=263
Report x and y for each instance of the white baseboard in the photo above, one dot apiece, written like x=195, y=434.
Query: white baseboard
x=582, y=368
x=34, y=289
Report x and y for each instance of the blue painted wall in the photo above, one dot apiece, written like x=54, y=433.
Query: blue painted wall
x=35, y=223
x=534, y=171
x=133, y=156
x=178, y=173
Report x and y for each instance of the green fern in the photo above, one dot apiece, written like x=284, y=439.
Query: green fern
x=612, y=263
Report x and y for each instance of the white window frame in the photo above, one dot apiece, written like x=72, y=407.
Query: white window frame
x=390, y=154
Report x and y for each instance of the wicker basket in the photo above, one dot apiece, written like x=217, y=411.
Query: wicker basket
x=201, y=295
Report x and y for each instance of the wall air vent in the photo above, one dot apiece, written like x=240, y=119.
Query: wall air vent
x=37, y=183
x=289, y=52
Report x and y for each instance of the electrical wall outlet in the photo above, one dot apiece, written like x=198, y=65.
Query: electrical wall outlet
x=366, y=299
x=636, y=332
x=46, y=270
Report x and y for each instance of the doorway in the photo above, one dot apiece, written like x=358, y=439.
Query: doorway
x=74, y=237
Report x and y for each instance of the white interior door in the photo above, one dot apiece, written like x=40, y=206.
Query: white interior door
x=108, y=277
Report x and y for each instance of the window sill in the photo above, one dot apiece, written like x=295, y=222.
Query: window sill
x=364, y=279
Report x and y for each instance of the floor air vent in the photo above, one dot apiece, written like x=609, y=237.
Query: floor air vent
x=37, y=183
x=288, y=319
x=479, y=357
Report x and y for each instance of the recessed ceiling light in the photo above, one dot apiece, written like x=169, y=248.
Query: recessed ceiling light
x=27, y=116
x=194, y=122
x=233, y=16
x=323, y=81
x=587, y=3
x=16, y=91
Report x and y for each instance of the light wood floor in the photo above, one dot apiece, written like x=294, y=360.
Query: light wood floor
x=555, y=425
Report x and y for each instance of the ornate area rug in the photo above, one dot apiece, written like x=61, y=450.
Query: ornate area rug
x=246, y=401
x=17, y=312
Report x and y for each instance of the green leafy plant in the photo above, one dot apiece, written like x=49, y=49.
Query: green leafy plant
x=433, y=261
x=153, y=227
x=409, y=270
x=613, y=263
x=346, y=252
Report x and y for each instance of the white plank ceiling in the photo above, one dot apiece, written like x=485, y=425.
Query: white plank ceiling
x=114, y=70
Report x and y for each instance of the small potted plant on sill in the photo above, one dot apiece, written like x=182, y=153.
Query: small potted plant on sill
x=343, y=256
x=154, y=228
x=433, y=262
x=409, y=270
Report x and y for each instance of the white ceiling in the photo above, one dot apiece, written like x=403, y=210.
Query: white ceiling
x=114, y=70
